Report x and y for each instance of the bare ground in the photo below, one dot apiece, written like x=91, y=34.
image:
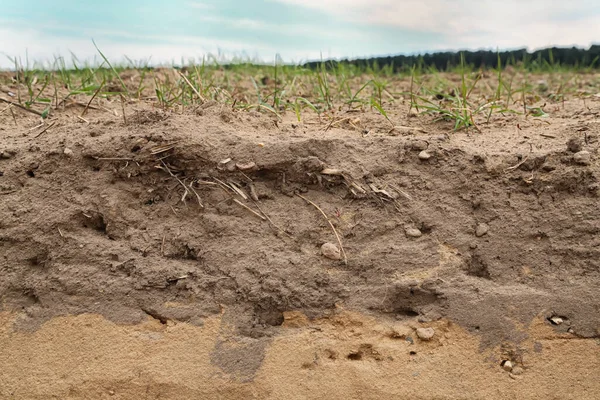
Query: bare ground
x=175, y=255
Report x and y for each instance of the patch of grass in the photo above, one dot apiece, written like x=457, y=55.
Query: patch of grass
x=467, y=97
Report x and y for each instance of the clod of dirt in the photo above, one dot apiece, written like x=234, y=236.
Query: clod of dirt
x=424, y=155
x=68, y=152
x=482, y=229
x=516, y=370
x=418, y=145
x=583, y=157
x=413, y=232
x=425, y=333
x=331, y=251
x=507, y=365
x=574, y=145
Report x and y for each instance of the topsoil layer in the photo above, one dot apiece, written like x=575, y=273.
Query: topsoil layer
x=197, y=238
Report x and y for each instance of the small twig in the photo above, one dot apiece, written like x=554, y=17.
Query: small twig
x=13, y=115
x=238, y=190
x=186, y=191
x=44, y=130
x=123, y=109
x=114, y=159
x=22, y=107
x=35, y=127
x=6, y=109
x=333, y=122
x=197, y=195
x=270, y=221
x=92, y=99
x=192, y=87
x=548, y=136
x=83, y=119
x=522, y=161
x=249, y=209
x=330, y=224
x=162, y=246
x=60, y=233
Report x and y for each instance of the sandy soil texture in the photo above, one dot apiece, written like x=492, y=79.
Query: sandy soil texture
x=196, y=254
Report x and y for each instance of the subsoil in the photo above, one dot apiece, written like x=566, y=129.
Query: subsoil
x=178, y=254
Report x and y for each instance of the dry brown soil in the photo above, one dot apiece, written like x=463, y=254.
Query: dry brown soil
x=136, y=261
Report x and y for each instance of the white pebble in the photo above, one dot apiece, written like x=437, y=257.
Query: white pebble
x=481, y=230
x=413, y=232
x=508, y=365
x=425, y=333
x=68, y=152
x=424, y=155
x=331, y=251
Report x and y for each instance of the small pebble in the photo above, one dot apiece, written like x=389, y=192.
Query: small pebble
x=482, y=229
x=331, y=251
x=5, y=155
x=68, y=152
x=583, y=157
x=413, y=232
x=508, y=366
x=425, y=333
x=246, y=166
x=424, y=155
x=556, y=320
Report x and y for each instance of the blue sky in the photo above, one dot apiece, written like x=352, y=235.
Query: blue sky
x=296, y=29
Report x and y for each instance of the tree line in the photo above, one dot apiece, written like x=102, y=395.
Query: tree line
x=548, y=58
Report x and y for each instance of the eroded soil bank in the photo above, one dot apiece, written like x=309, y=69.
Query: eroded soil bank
x=179, y=256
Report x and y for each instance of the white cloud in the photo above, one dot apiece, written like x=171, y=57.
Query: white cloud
x=472, y=23
x=159, y=48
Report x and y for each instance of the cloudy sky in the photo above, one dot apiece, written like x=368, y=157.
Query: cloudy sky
x=298, y=30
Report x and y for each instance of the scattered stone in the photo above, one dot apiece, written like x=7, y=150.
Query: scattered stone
x=246, y=166
x=507, y=365
x=583, y=157
x=331, y=251
x=556, y=320
x=513, y=376
x=424, y=155
x=574, y=145
x=68, y=152
x=425, y=333
x=413, y=232
x=6, y=154
x=224, y=163
x=482, y=229
x=516, y=370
